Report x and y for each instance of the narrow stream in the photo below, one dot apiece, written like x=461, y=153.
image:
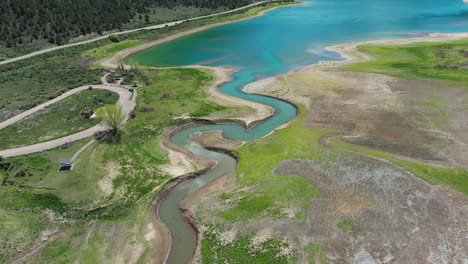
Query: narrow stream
x=183, y=239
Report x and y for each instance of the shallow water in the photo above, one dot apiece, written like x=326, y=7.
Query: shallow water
x=278, y=42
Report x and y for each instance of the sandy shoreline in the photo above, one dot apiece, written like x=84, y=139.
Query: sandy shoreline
x=379, y=92
x=352, y=54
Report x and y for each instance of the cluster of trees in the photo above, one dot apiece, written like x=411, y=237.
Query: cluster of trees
x=59, y=20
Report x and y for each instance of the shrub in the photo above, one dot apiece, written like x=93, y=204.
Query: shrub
x=114, y=38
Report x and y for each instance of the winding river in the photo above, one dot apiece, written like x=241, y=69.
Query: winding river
x=278, y=42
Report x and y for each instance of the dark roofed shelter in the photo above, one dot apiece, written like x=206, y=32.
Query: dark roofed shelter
x=88, y=113
x=66, y=165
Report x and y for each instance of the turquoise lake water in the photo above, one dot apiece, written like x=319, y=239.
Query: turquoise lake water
x=278, y=42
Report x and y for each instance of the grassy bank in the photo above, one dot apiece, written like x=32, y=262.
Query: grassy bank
x=269, y=194
x=445, y=61
x=261, y=195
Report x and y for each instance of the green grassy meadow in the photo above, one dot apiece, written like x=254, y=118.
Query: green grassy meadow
x=267, y=193
x=241, y=251
x=445, y=61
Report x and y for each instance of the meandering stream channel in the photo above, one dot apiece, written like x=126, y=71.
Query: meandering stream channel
x=280, y=41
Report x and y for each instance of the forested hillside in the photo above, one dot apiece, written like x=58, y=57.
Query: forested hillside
x=57, y=21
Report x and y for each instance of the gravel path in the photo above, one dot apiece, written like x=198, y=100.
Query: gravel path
x=124, y=32
x=126, y=99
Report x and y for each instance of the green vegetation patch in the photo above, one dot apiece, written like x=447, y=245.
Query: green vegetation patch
x=60, y=119
x=241, y=250
x=28, y=83
x=349, y=226
x=55, y=252
x=455, y=178
x=316, y=253
x=105, y=51
x=268, y=194
x=446, y=61
x=18, y=230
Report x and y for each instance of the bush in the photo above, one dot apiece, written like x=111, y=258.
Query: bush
x=132, y=115
x=146, y=109
x=114, y=38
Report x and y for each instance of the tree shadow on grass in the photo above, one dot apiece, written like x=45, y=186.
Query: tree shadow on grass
x=110, y=137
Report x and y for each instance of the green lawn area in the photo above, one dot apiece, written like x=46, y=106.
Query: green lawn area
x=60, y=119
x=455, y=178
x=445, y=61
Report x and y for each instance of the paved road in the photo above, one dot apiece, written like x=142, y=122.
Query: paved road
x=123, y=32
x=126, y=99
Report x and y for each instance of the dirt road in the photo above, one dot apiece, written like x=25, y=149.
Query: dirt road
x=126, y=100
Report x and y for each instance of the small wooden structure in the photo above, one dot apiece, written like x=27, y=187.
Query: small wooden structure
x=88, y=113
x=66, y=165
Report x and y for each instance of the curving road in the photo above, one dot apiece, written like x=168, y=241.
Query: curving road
x=125, y=32
x=126, y=99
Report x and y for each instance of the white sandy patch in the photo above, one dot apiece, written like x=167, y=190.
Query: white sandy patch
x=261, y=237
x=227, y=237
x=259, y=86
x=363, y=257
x=106, y=184
x=150, y=232
x=179, y=165
x=288, y=212
x=183, y=117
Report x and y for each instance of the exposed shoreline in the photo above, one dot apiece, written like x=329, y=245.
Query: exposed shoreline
x=352, y=54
